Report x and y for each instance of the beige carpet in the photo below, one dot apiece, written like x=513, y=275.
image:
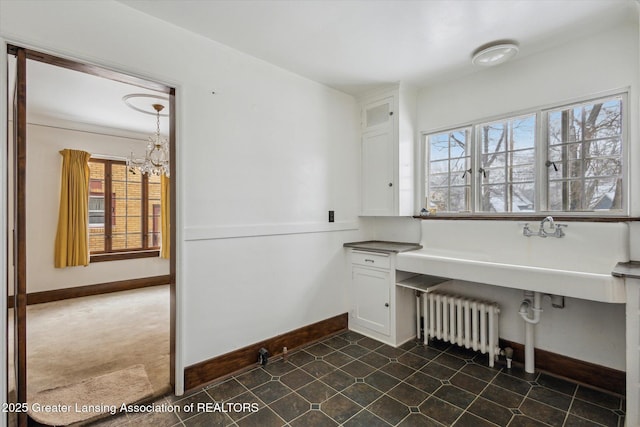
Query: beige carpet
x=73, y=340
x=91, y=398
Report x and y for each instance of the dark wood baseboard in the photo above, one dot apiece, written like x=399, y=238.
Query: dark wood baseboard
x=209, y=370
x=573, y=369
x=97, y=289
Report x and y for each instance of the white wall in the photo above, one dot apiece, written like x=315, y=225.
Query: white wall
x=585, y=330
x=269, y=153
x=44, y=164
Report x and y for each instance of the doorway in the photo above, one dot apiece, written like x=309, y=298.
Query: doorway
x=21, y=155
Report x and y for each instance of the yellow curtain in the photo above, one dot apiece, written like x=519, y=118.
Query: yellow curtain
x=72, y=246
x=165, y=220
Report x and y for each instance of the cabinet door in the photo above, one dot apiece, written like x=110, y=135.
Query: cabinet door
x=371, y=299
x=377, y=173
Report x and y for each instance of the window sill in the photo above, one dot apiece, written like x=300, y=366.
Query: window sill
x=119, y=256
x=532, y=217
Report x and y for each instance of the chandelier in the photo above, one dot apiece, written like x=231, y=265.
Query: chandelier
x=156, y=158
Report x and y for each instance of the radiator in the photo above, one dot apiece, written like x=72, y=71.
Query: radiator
x=462, y=321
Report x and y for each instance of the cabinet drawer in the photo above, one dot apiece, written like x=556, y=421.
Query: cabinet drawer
x=371, y=259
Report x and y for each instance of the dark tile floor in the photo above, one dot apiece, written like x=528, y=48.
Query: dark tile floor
x=351, y=380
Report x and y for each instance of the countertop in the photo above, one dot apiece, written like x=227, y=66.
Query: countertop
x=383, y=246
x=629, y=269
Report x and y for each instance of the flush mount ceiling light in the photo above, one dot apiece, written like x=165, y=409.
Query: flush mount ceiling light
x=494, y=54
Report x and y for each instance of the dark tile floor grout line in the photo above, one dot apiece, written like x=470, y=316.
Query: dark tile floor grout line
x=400, y=377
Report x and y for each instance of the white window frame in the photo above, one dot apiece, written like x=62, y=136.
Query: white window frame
x=541, y=149
x=469, y=132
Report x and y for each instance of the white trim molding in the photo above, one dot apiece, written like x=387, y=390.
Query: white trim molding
x=259, y=230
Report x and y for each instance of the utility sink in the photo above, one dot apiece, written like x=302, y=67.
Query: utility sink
x=577, y=265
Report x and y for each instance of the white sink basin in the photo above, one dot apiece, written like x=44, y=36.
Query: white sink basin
x=590, y=286
x=578, y=265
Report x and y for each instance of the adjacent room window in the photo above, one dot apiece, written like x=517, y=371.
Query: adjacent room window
x=450, y=171
x=562, y=159
x=124, y=209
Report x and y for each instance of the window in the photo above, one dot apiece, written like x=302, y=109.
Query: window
x=574, y=164
x=507, y=165
x=124, y=209
x=585, y=157
x=450, y=171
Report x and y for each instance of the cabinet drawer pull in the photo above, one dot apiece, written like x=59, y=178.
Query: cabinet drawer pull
x=369, y=260
x=386, y=304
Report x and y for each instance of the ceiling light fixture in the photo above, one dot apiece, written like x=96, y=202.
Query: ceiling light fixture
x=494, y=54
x=156, y=159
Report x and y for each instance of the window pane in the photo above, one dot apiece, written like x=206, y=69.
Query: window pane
x=438, y=180
x=378, y=114
x=96, y=240
x=494, y=160
x=522, y=133
x=439, y=167
x=122, y=212
x=118, y=241
x=439, y=199
x=603, y=119
x=493, y=197
x=493, y=176
x=521, y=173
x=439, y=147
x=508, y=157
x=459, y=198
x=565, y=125
x=523, y=157
x=603, y=167
x=603, y=193
x=586, y=174
x=154, y=191
x=154, y=226
x=134, y=224
x=134, y=240
x=561, y=170
x=96, y=206
x=604, y=148
x=448, y=180
x=493, y=137
x=521, y=197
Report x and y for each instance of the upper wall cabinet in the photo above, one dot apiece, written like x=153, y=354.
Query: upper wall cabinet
x=387, y=148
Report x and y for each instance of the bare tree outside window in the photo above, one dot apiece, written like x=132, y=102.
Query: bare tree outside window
x=585, y=157
x=574, y=152
x=449, y=177
x=508, y=165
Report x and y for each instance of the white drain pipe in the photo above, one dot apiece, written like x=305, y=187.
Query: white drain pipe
x=529, y=329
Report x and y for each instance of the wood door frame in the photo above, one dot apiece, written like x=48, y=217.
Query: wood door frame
x=23, y=54
x=19, y=159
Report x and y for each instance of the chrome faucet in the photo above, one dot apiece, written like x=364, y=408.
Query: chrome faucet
x=552, y=226
x=555, y=230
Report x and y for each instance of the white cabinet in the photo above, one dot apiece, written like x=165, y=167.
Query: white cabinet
x=371, y=299
x=387, y=147
x=379, y=309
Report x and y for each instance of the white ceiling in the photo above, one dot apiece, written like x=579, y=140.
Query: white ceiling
x=353, y=45
x=65, y=98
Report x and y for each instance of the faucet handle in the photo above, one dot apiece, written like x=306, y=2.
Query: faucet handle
x=558, y=231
